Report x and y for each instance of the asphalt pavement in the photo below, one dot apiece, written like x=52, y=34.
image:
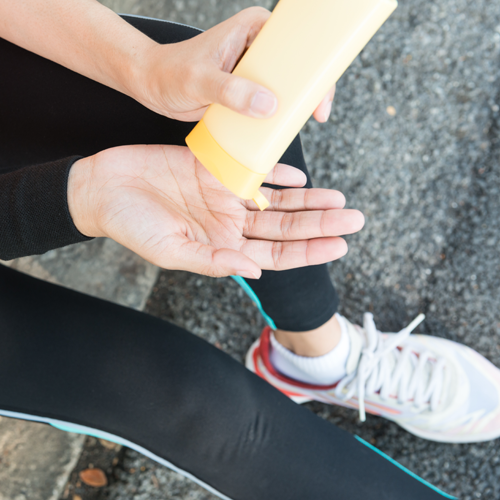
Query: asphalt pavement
x=413, y=142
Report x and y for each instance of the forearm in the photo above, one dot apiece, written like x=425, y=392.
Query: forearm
x=81, y=35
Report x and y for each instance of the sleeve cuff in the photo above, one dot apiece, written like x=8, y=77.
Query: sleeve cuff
x=34, y=212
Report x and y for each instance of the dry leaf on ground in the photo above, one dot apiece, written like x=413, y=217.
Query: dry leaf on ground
x=94, y=477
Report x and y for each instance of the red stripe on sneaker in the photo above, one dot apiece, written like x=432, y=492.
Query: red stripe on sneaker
x=264, y=348
x=255, y=356
x=262, y=351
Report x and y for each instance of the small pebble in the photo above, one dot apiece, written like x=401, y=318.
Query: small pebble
x=391, y=110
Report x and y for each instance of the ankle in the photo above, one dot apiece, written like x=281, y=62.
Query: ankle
x=313, y=367
x=312, y=343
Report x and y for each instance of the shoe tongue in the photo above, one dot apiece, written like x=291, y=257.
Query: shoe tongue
x=358, y=340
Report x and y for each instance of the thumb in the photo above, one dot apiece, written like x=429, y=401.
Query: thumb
x=188, y=255
x=239, y=94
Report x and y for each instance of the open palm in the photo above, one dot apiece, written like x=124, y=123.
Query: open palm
x=160, y=202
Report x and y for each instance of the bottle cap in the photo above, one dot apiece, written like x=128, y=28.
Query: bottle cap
x=239, y=179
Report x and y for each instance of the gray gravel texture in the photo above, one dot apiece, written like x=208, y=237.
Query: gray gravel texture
x=428, y=181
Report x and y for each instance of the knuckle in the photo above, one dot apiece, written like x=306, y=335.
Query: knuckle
x=322, y=223
x=260, y=12
x=216, y=268
x=225, y=90
x=251, y=20
x=250, y=223
x=277, y=198
x=211, y=270
x=256, y=12
x=307, y=198
x=218, y=273
x=277, y=253
x=306, y=253
x=286, y=224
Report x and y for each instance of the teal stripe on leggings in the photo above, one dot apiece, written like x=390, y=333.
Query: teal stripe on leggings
x=93, y=433
x=253, y=296
x=404, y=469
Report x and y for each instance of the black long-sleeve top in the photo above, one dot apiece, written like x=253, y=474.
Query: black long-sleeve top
x=50, y=117
x=34, y=215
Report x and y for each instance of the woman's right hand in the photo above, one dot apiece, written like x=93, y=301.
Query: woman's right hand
x=177, y=80
x=161, y=203
x=181, y=80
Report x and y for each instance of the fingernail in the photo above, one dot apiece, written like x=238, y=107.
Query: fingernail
x=263, y=104
x=328, y=111
x=248, y=274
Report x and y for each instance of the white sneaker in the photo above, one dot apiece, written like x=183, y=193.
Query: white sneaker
x=432, y=387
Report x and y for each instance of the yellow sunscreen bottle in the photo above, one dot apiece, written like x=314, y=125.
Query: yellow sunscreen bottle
x=302, y=50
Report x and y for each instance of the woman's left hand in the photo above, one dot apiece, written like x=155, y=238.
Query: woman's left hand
x=160, y=202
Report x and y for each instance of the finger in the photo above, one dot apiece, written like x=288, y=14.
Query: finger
x=285, y=175
x=239, y=94
x=322, y=112
x=228, y=41
x=253, y=18
x=187, y=255
x=294, y=200
x=279, y=256
x=279, y=226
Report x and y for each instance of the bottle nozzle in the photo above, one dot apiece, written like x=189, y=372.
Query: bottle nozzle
x=261, y=201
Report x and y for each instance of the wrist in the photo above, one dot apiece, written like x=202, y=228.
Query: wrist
x=139, y=76
x=121, y=55
x=81, y=194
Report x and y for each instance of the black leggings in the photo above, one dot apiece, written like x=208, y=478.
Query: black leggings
x=86, y=364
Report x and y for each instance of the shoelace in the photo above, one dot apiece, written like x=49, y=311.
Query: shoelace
x=375, y=371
